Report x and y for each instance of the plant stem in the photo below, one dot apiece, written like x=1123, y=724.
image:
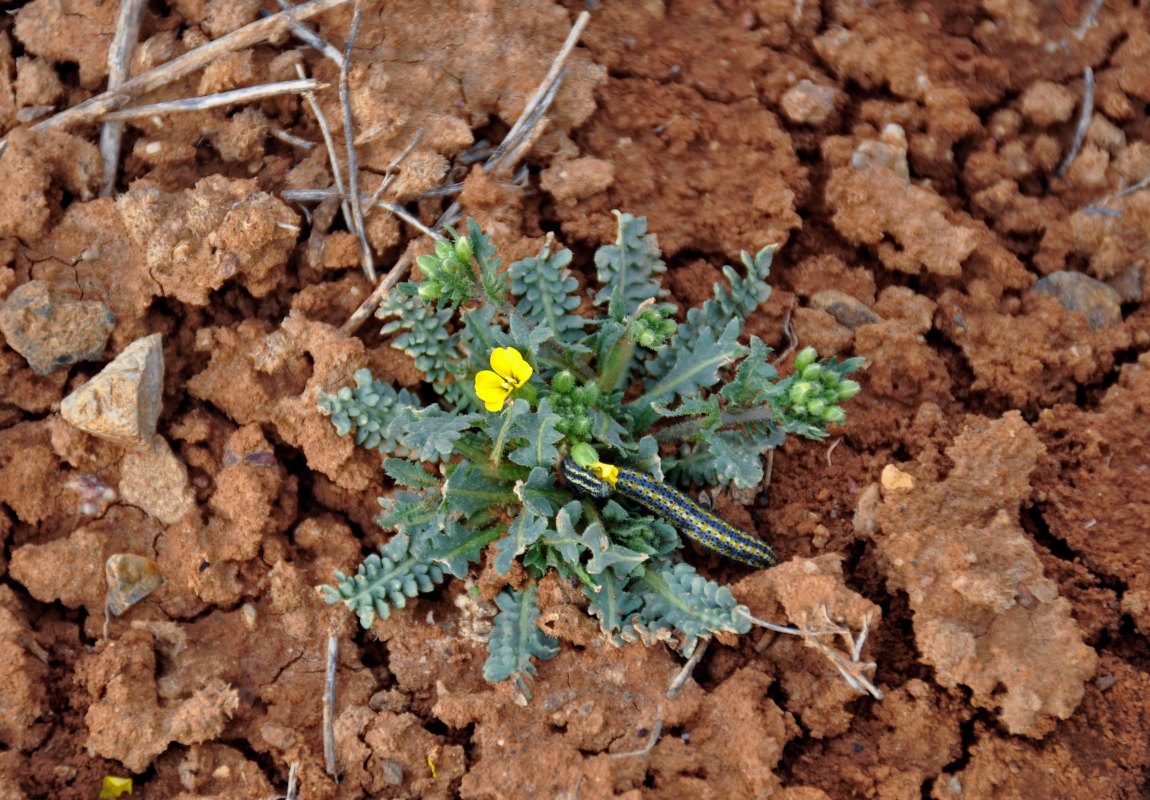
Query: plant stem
x=687, y=428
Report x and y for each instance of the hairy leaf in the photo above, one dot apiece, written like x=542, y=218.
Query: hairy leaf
x=548, y=292
x=515, y=638
x=629, y=270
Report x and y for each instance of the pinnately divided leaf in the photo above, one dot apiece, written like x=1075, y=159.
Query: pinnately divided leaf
x=547, y=291
x=369, y=408
x=515, y=639
x=680, y=599
x=629, y=270
x=537, y=430
x=383, y=580
x=695, y=365
x=429, y=433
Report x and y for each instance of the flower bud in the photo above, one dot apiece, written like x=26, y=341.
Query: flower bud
x=463, y=249
x=430, y=290
x=806, y=357
x=801, y=392
x=834, y=415
x=817, y=407
x=563, y=382
x=846, y=390
x=812, y=372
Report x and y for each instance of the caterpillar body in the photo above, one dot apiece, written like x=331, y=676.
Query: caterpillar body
x=696, y=522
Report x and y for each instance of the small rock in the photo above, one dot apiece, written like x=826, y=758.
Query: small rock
x=1100, y=304
x=157, y=482
x=51, y=334
x=1129, y=284
x=844, y=308
x=131, y=578
x=122, y=402
x=1045, y=103
x=895, y=480
x=808, y=103
x=578, y=178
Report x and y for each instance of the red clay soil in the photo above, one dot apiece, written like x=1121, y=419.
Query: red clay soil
x=985, y=508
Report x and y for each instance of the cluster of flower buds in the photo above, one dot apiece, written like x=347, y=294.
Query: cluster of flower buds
x=818, y=389
x=448, y=272
x=653, y=326
x=573, y=402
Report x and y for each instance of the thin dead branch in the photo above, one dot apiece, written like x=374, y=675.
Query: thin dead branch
x=251, y=34
x=245, y=95
x=119, y=62
x=688, y=668
x=310, y=37
x=1083, y=121
x=852, y=668
x=329, y=707
x=355, y=222
x=656, y=732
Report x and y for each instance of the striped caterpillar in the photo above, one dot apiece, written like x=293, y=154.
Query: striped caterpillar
x=692, y=519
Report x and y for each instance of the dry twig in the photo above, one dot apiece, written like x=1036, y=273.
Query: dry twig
x=355, y=222
x=251, y=34
x=244, y=95
x=308, y=36
x=1083, y=121
x=119, y=61
x=329, y=707
x=656, y=732
x=688, y=668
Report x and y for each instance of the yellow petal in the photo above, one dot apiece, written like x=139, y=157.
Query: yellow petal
x=114, y=787
x=491, y=389
x=509, y=363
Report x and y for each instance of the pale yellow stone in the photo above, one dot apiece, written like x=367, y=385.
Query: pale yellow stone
x=895, y=480
x=156, y=480
x=123, y=401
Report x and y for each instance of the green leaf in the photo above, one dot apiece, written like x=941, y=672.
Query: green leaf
x=696, y=365
x=613, y=605
x=408, y=473
x=429, y=433
x=754, y=377
x=524, y=531
x=427, y=338
x=629, y=270
x=515, y=638
x=538, y=430
x=459, y=546
x=369, y=409
x=548, y=292
x=494, y=284
x=384, y=580
x=538, y=492
x=565, y=539
x=500, y=426
x=469, y=490
x=679, y=599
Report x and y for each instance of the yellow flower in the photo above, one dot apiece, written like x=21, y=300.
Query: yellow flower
x=508, y=372
x=605, y=472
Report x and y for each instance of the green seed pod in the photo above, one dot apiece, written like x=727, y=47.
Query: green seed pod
x=563, y=382
x=806, y=357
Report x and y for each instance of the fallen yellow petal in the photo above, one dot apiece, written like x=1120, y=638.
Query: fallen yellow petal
x=606, y=472
x=114, y=787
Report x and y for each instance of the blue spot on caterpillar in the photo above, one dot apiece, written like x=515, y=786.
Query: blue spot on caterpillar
x=692, y=519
